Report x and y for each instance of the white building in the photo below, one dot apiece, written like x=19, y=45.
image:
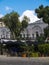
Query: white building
x=4, y=31
x=33, y=29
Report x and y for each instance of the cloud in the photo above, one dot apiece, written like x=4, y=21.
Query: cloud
x=30, y=14
x=1, y=15
x=7, y=8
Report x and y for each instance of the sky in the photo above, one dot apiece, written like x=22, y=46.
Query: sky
x=20, y=6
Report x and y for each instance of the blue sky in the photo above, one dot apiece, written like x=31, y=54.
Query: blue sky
x=20, y=6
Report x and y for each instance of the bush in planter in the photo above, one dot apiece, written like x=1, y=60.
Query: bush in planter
x=27, y=49
x=24, y=54
x=43, y=49
x=30, y=49
x=35, y=54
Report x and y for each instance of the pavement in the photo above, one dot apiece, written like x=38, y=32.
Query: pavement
x=4, y=60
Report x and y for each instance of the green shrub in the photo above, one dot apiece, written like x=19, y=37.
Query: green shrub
x=34, y=54
x=43, y=48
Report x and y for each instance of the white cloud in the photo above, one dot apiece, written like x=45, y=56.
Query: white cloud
x=7, y=8
x=1, y=15
x=30, y=14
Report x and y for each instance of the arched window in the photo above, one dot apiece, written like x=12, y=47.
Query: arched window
x=37, y=28
x=37, y=34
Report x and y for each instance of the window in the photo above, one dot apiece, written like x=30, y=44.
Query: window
x=1, y=24
x=33, y=35
x=37, y=34
x=21, y=35
x=24, y=35
x=28, y=35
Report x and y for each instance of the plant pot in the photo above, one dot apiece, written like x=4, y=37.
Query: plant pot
x=24, y=55
x=42, y=55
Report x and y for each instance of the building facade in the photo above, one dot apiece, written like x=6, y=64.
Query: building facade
x=33, y=29
x=4, y=31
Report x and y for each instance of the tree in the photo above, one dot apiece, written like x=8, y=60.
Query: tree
x=43, y=12
x=12, y=22
x=25, y=22
x=41, y=38
x=46, y=32
x=28, y=49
